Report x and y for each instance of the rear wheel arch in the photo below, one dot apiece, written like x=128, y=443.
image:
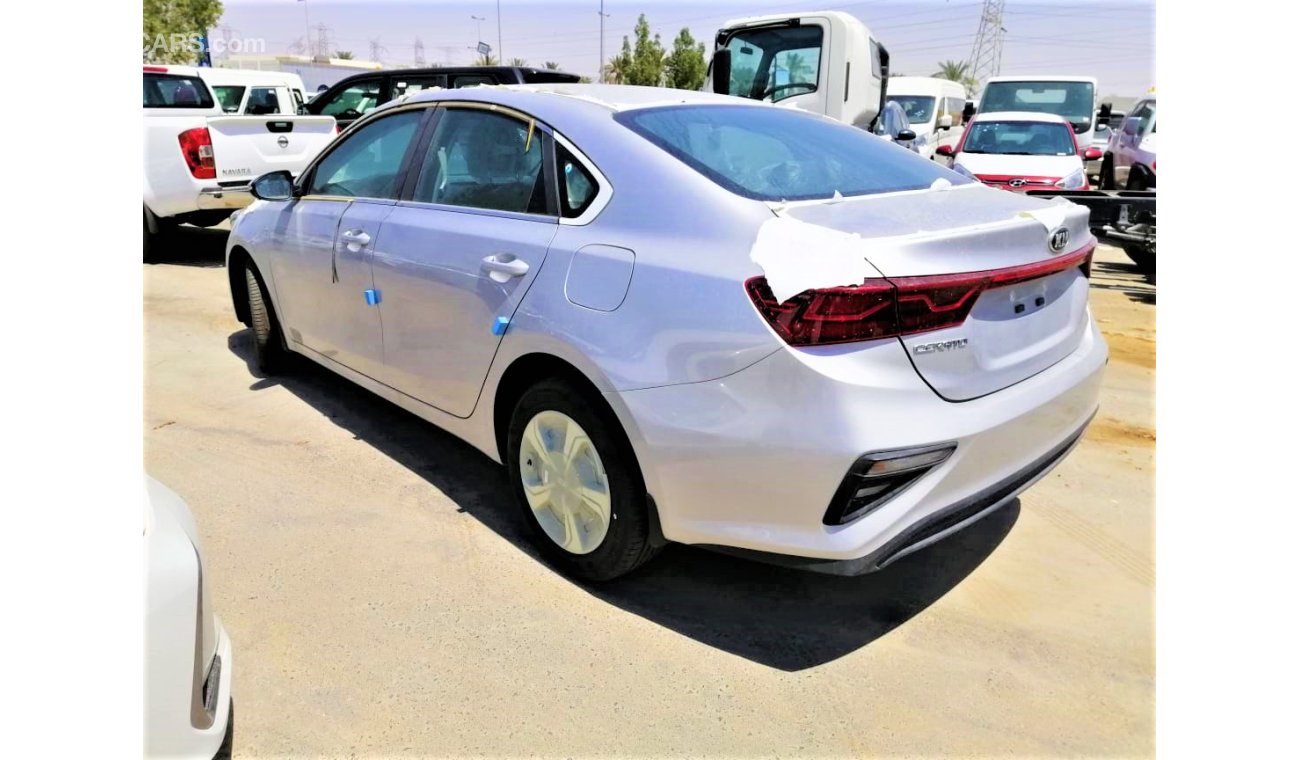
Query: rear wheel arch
x=528, y=370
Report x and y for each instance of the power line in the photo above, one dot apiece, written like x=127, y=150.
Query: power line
x=986, y=55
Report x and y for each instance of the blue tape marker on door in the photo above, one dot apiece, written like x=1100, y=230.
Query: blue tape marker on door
x=500, y=325
x=372, y=297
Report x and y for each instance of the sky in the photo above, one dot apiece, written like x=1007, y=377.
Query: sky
x=1113, y=41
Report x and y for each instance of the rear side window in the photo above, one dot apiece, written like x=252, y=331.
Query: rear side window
x=776, y=154
x=470, y=80
x=229, y=97
x=577, y=187
x=354, y=100
x=367, y=163
x=172, y=91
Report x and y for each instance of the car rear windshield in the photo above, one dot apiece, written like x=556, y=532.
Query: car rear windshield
x=776, y=154
x=172, y=91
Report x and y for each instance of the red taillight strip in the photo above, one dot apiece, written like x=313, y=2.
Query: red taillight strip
x=156, y=69
x=894, y=306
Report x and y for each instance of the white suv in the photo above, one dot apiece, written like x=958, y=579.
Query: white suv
x=1130, y=160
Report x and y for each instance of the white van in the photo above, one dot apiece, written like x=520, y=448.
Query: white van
x=934, y=107
x=255, y=93
x=1074, y=98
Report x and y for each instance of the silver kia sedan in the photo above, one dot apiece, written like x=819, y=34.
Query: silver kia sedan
x=678, y=316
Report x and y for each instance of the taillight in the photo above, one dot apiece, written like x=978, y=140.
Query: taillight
x=196, y=146
x=156, y=69
x=891, y=307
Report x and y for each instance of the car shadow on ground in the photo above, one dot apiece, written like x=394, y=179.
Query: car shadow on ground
x=1125, y=278
x=778, y=617
x=191, y=246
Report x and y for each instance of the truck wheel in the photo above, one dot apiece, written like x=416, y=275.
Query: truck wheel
x=1143, y=257
x=268, y=340
x=1107, y=179
x=577, y=483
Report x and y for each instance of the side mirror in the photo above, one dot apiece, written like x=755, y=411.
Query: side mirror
x=274, y=186
x=905, y=134
x=945, y=150
x=1104, y=112
x=968, y=112
x=1091, y=154
x=945, y=121
x=1131, y=125
x=722, y=71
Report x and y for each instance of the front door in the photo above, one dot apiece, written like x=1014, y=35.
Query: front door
x=327, y=238
x=459, y=255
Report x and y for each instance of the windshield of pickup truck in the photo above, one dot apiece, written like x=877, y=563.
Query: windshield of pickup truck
x=173, y=91
x=778, y=154
x=1073, y=100
x=917, y=107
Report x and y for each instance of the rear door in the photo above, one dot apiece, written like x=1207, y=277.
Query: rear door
x=324, y=242
x=246, y=147
x=459, y=252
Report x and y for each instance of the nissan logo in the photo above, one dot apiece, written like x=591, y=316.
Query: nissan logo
x=1060, y=239
x=1017, y=183
x=283, y=142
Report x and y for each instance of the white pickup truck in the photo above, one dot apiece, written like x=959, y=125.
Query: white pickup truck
x=199, y=162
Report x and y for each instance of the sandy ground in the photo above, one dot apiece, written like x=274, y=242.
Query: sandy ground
x=384, y=602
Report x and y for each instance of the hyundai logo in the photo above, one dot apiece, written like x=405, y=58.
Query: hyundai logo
x=283, y=142
x=1059, y=240
x=1017, y=183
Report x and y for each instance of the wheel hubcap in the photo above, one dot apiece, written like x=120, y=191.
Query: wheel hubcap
x=565, y=482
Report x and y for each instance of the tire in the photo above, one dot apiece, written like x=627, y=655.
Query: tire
x=268, y=341
x=1107, y=178
x=150, y=241
x=625, y=543
x=1144, y=259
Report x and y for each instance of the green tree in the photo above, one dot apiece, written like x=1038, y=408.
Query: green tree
x=552, y=65
x=343, y=54
x=685, y=66
x=584, y=79
x=167, y=21
x=486, y=60
x=647, y=57
x=618, y=68
x=955, y=72
x=518, y=62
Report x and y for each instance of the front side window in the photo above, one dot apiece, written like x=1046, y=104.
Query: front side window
x=262, y=101
x=1019, y=138
x=775, y=63
x=229, y=97
x=1073, y=100
x=173, y=91
x=776, y=154
x=367, y=164
x=919, y=108
x=482, y=159
x=353, y=101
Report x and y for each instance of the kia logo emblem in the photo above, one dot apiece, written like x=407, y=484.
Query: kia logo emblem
x=283, y=142
x=1017, y=183
x=1060, y=239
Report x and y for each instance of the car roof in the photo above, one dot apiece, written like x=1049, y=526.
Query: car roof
x=426, y=70
x=1020, y=116
x=613, y=97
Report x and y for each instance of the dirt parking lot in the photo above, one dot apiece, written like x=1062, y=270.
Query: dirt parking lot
x=383, y=600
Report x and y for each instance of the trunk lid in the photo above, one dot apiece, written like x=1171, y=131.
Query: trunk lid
x=1022, y=322
x=246, y=147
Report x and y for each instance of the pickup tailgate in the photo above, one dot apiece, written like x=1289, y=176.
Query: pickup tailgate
x=246, y=147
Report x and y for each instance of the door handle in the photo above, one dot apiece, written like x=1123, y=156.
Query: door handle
x=355, y=237
x=503, y=266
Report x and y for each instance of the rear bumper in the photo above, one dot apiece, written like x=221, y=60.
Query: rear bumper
x=217, y=198
x=753, y=460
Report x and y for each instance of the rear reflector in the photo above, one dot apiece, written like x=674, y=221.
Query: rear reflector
x=887, y=307
x=196, y=147
x=876, y=478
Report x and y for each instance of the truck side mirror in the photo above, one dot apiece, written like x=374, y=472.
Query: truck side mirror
x=968, y=112
x=722, y=71
x=905, y=134
x=1103, y=113
x=945, y=121
x=1131, y=125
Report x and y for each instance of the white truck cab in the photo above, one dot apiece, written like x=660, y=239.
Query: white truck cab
x=255, y=93
x=826, y=62
x=1071, y=97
